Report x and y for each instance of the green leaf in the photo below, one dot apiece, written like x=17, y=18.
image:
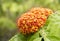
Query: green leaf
x=18, y=37
x=37, y=39
x=34, y=36
x=46, y=39
x=53, y=27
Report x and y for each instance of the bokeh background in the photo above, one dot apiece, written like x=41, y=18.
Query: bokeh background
x=10, y=10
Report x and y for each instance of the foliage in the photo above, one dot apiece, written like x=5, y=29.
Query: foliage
x=53, y=27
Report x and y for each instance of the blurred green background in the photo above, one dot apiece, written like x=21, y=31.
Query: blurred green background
x=10, y=10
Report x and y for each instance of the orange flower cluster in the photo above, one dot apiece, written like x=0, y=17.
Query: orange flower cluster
x=33, y=20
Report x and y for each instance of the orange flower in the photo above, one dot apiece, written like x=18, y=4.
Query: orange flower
x=44, y=11
x=33, y=20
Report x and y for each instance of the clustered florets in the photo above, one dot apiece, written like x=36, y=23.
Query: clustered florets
x=33, y=20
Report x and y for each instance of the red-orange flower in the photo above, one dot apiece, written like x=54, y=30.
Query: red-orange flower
x=33, y=20
x=44, y=11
